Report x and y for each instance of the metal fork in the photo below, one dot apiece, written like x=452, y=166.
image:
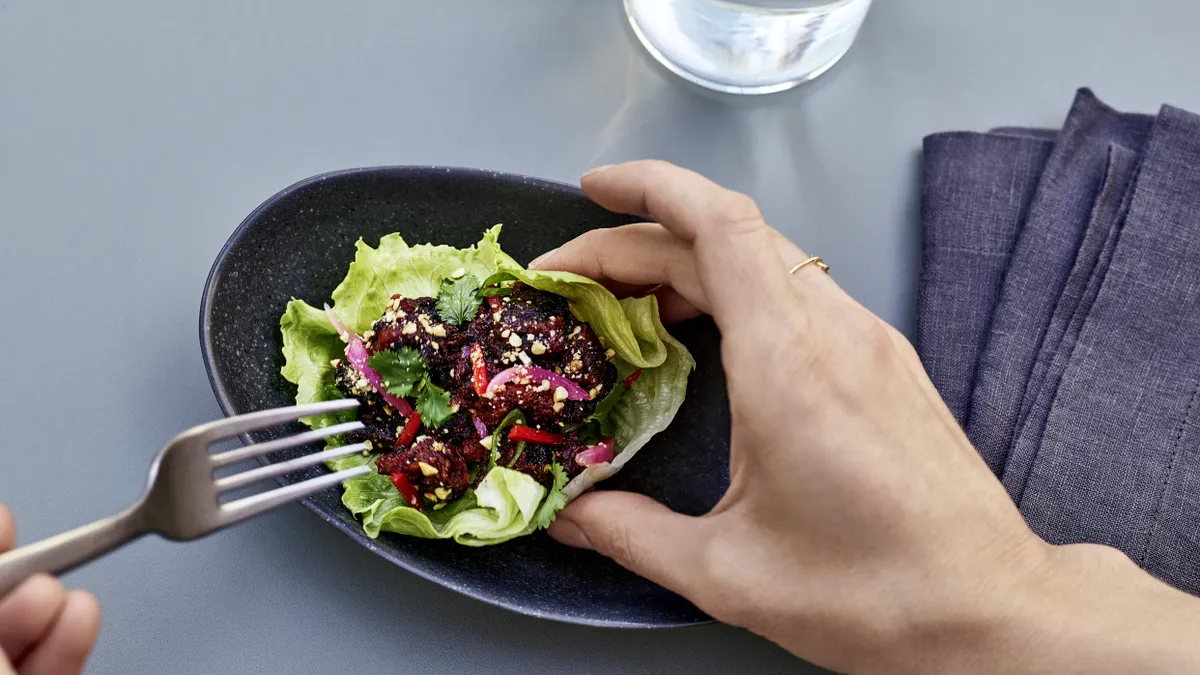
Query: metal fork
x=181, y=497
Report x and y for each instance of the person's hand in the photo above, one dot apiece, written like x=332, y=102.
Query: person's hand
x=860, y=530
x=44, y=630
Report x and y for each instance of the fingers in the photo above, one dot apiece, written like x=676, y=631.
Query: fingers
x=809, y=278
x=733, y=248
x=637, y=532
x=65, y=649
x=673, y=307
x=640, y=256
x=8, y=529
x=28, y=613
x=686, y=203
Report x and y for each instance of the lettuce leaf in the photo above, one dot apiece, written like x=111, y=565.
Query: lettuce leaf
x=310, y=344
x=507, y=503
x=650, y=404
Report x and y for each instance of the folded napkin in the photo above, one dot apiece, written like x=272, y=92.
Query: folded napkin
x=1060, y=319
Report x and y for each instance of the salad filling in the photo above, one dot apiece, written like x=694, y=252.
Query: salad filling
x=522, y=357
x=491, y=394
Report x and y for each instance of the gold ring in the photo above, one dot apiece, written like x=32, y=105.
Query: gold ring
x=815, y=260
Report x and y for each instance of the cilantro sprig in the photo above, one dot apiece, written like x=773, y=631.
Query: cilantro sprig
x=405, y=374
x=459, y=299
x=434, y=403
x=402, y=371
x=555, y=499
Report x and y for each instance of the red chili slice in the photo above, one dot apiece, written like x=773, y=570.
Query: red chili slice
x=633, y=378
x=521, y=432
x=406, y=488
x=479, y=371
x=409, y=432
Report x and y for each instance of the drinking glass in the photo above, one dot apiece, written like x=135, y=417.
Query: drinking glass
x=747, y=46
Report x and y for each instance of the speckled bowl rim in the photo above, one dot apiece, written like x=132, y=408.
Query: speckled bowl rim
x=356, y=533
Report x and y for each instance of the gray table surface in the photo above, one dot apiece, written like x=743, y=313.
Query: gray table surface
x=134, y=136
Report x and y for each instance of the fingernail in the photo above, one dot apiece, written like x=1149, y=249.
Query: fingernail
x=542, y=258
x=566, y=532
x=597, y=170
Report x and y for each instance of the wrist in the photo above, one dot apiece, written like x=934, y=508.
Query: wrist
x=973, y=617
x=1048, y=609
x=1100, y=609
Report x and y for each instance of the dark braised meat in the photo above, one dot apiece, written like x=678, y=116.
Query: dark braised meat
x=535, y=459
x=438, y=473
x=460, y=435
x=379, y=419
x=566, y=452
x=528, y=321
x=528, y=328
x=534, y=328
x=416, y=324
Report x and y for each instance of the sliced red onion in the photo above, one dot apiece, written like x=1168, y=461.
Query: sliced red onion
x=343, y=331
x=597, y=454
x=480, y=427
x=574, y=391
x=360, y=358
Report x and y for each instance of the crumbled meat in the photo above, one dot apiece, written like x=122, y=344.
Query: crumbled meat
x=378, y=418
x=527, y=328
x=566, y=454
x=457, y=429
x=438, y=474
x=535, y=459
x=416, y=324
x=460, y=435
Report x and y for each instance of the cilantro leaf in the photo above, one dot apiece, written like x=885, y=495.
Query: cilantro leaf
x=433, y=404
x=554, y=501
x=457, y=301
x=406, y=374
x=401, y=371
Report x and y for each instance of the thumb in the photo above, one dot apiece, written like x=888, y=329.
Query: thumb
x=638, y=533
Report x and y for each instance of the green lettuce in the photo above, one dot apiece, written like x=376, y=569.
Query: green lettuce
x=507, y=503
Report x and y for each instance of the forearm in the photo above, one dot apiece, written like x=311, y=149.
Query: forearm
x=1083, y=609
x=1114, y=617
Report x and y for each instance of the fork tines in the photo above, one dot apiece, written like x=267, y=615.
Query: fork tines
x=255, y=504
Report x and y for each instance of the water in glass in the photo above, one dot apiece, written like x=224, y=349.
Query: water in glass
x=747, y=46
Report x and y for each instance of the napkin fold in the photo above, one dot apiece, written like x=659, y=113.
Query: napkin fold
x=1059, y=316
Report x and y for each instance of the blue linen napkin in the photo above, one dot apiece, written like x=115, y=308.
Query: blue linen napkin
x=1060, y=318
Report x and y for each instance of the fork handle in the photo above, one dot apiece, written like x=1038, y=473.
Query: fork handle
x=68, y=550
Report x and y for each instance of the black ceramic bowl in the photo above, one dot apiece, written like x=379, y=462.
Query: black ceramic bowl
x=300, y=243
